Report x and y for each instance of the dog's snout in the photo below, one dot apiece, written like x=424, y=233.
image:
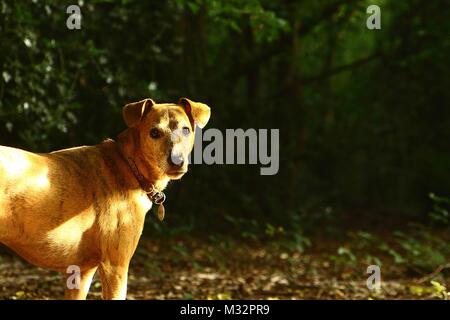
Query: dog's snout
x=176, y=160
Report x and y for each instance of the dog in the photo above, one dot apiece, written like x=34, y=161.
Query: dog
x=85, y=206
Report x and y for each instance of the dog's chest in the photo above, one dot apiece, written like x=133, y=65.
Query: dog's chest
x=142, y=201
x=125, y=216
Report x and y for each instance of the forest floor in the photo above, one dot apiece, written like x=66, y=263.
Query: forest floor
x=190, y=268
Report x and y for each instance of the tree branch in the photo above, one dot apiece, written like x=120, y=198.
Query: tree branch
x=342, y=68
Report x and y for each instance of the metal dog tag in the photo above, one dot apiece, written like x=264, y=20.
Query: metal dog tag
x=161, y=212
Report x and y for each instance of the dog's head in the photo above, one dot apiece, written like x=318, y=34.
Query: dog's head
x=166, y=132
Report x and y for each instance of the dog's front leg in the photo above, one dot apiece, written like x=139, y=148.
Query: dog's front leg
x=85, y=282
x=114, y=281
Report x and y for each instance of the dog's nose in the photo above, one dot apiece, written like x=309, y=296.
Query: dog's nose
x=176, y=160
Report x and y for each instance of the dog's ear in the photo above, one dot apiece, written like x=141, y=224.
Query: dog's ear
x=197, y=112
x=133, y=112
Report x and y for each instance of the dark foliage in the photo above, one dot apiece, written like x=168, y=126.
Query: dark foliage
x=363, y=114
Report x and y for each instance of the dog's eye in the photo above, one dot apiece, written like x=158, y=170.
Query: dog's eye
x=186, y=131
x=155, y=133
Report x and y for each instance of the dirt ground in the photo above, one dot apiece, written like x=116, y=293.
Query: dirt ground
x=192, y=269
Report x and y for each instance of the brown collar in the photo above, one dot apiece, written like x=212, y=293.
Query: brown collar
x=155, y=196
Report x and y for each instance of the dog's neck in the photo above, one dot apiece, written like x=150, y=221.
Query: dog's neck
x=148, y=177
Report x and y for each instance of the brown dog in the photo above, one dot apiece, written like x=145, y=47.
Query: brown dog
x=86, y=206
